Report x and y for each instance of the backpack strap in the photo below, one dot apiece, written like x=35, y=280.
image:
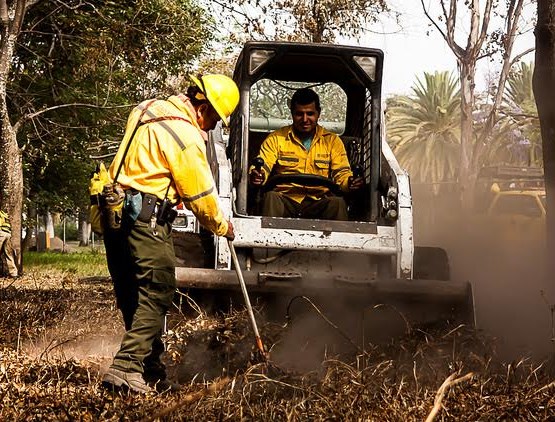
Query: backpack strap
x=131, y=138
x=140, y=123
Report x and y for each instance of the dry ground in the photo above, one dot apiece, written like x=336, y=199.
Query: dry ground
x=59, y=333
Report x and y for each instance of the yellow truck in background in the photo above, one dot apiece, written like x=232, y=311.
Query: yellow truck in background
x=511, y=202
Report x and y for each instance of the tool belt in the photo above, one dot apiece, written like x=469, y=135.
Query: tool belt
x=152, y=206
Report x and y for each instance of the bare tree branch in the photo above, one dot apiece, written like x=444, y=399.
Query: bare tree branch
x=20, y=9
x=432, y=21
x=451, y=19
x=485, y=26
x=103, y=156
x=31, y=116
x=521, y=55
x=492, y=118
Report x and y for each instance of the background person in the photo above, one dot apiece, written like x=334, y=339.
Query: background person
x=305, y=147
x=6, y=250
x=166, y=160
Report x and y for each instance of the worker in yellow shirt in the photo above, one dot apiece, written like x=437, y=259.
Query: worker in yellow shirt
x=6, y=250
x=305, y=148
x=161, y=162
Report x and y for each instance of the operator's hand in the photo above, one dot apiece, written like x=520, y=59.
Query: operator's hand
x=230, y=232
x=355, y=183
x=256, y=177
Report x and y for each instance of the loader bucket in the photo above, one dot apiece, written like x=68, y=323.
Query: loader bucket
x=416, y=302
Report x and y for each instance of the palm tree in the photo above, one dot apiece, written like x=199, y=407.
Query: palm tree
x=424, y=129
x=518, y=141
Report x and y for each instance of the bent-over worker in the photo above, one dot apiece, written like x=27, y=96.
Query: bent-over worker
x=163, y=163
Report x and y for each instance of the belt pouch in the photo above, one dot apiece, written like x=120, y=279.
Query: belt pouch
x=133, y=204
x=166, y=213
x=149, y=204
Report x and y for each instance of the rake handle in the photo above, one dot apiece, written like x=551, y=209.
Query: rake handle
x=259, y=343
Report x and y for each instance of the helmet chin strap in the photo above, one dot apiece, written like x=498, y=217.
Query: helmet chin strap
x=200, y=96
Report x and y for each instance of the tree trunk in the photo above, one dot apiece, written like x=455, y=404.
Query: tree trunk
x=11, y=168
x=49, y=224
x=467, y=57
x=467, y=72
x=84, y=229
x=30, y=239
x=544, y=87
x=11, y=177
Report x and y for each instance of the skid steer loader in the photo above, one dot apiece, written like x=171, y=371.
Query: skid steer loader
x=366, y=261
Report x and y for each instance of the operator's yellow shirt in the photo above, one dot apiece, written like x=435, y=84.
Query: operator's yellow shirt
x=284, y=153
x=168, y=154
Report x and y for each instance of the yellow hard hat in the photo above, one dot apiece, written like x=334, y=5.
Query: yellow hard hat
x=495, y=188
x=221, y=92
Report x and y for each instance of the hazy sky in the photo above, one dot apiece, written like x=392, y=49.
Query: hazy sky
x=412, y=46
x=409, y=51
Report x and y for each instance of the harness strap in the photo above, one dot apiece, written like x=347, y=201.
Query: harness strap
x=131, y=139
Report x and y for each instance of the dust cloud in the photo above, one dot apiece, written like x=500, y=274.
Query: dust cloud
x=95, y=348
x=506, y=264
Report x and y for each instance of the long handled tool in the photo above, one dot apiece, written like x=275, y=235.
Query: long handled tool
x=259, y=344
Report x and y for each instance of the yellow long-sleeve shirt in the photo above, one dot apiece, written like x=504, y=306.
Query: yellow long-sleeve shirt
x=284, y=153
x=168, y=150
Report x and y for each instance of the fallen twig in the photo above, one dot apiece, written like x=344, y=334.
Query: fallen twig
x=189, y=398
x=545, y=387
x=449, y=382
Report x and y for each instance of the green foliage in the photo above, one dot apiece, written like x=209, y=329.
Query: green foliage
x=424, y=129
x=520, y=125
x=301, y=20
x=271, y=99
x=107, y=54
x=71, y=231
x=86, y=263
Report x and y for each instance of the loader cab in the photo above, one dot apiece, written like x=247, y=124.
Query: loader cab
x=348, y=82
x=367, y=260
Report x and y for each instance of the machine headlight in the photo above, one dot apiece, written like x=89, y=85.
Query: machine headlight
x=258, y=58
x=368, y=65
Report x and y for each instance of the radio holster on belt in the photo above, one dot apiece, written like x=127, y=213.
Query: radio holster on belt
x=162, y=210
x=166, y=213
x=148, y=208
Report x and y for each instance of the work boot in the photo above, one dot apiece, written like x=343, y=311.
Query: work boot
x=114, y=379
x=164, y=386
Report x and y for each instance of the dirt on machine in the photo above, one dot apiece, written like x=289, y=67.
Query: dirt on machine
x=350, y=267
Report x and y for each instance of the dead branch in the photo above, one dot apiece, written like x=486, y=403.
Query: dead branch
x=545, y=387
x=190, y=398
x=449, y=382
x=520, y=55
x=31, y=116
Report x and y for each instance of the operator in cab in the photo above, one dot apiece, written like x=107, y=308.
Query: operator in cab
x=304, y=147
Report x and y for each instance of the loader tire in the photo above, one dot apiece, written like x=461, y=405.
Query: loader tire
x=431, y=263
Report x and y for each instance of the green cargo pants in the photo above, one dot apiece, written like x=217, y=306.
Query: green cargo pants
x=277, y=204
x=141, y=261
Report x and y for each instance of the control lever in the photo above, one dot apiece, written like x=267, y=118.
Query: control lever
x=258, y=163
x=357, y=171
x=356, y=203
